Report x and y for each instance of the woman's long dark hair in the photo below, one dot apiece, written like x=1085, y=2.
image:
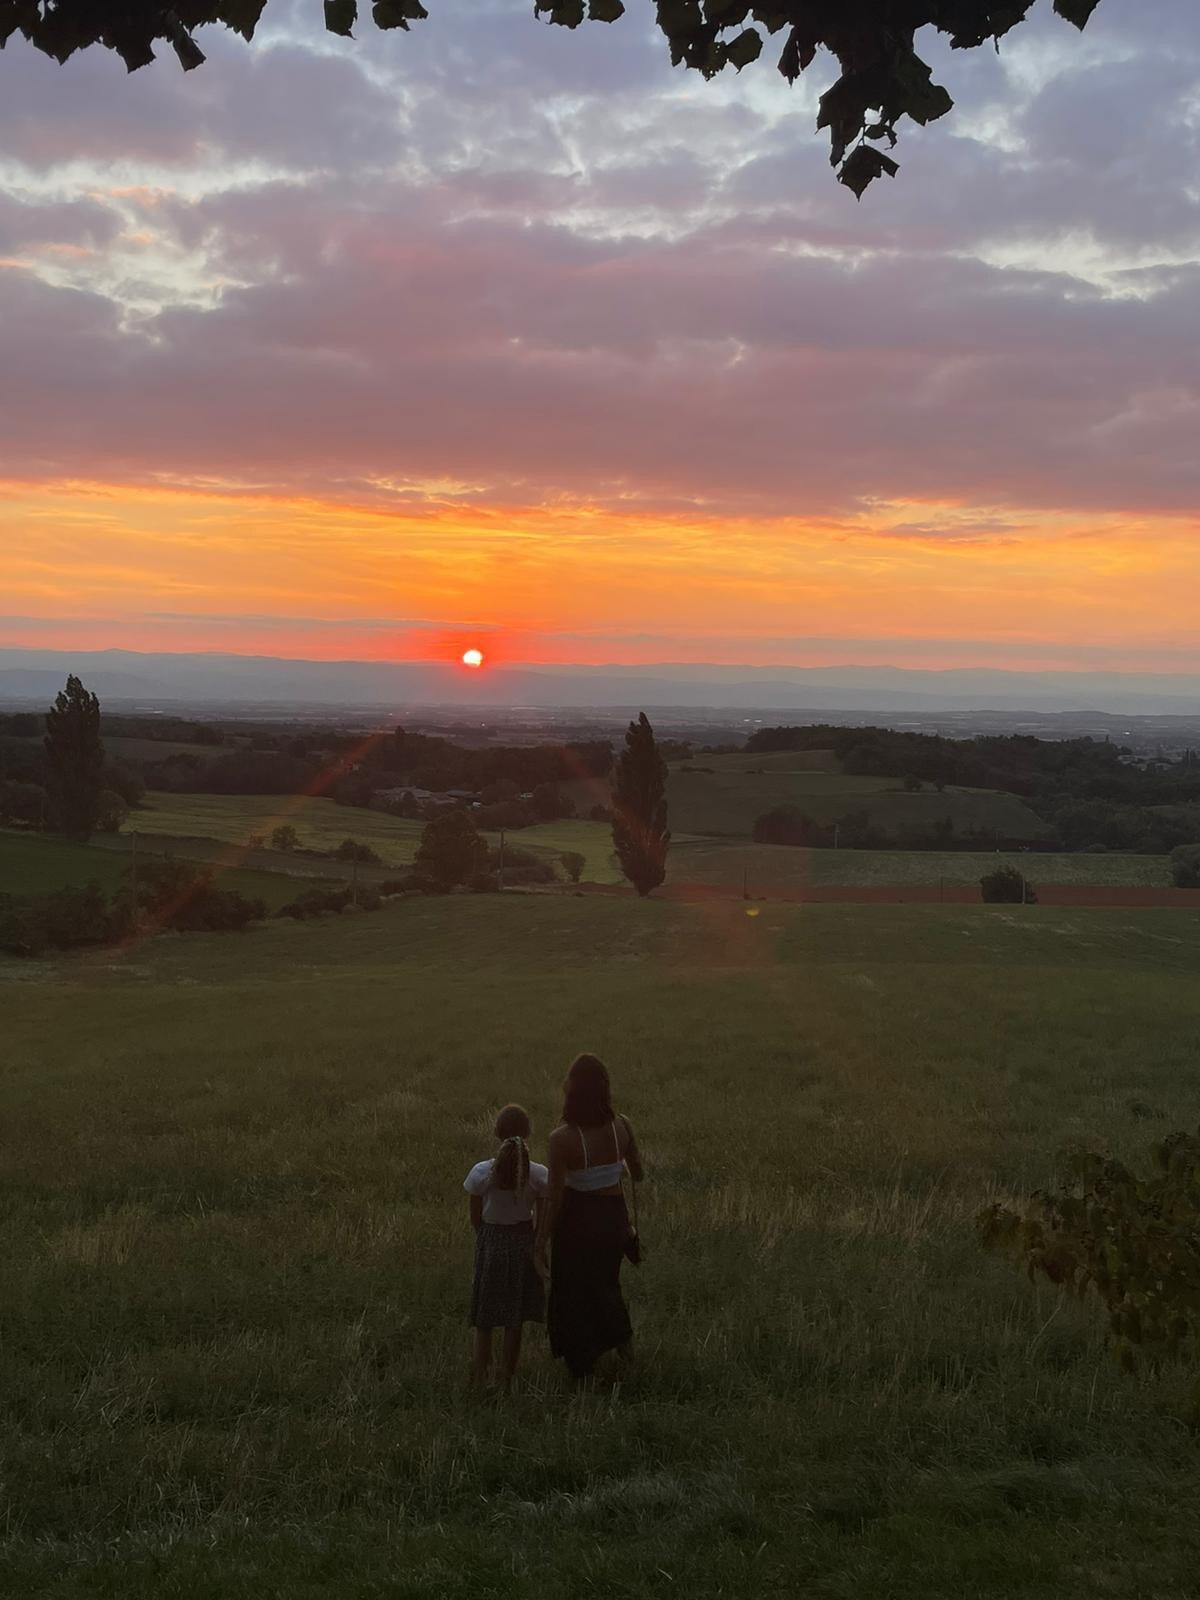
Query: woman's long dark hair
x=587, y=1094
x=511, y=1167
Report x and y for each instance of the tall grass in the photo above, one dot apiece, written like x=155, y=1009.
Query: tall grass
x=236, y=1257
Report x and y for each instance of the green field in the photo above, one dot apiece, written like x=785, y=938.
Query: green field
x=34, y=863
x=234, y=819
x=323, y=824
x=232, y=1352
x=768, y=869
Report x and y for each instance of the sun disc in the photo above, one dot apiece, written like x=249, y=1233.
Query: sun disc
x=472, y=658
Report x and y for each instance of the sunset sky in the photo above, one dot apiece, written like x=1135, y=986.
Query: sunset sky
x=495, y=333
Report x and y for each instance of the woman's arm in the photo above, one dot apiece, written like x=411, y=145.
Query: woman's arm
x=476, y=1203
x=548, y=1207
x=633, y=1156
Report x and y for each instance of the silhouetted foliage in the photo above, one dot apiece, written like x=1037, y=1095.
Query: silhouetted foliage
x=285, y=837
x=451, y=851
x=1133, y=1241
x=882, y=78
x=183, y=897
x=639, y=828
x=74, y=761
x=573, y=864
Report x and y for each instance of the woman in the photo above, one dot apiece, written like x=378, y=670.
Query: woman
x=585, y=1216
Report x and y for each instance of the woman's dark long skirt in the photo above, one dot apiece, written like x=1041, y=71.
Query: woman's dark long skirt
x=586, y=1314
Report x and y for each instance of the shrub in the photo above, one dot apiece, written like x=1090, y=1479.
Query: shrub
x=23, y=804
x=600, y=813
x=183, y=897
x=1134, y=1240
x=451, y=851
x=316, y=903
x=786, y=825
x=522, y=866
x=353, y=850
x=285, y=837
x=1007, y=886
x=484, y=883
x=111, y=813
x=1185, y=866
x=573, y=864
x=64, y=920
x=410, y=883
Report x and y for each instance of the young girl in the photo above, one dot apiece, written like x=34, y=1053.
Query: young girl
x=507, y=1290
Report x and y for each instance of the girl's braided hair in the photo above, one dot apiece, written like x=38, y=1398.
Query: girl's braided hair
x=511, y=1167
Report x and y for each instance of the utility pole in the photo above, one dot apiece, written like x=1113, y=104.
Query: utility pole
x=133, y=872
x=745, y=883
x=354, y=883
x=837, y=835
x=500, y=864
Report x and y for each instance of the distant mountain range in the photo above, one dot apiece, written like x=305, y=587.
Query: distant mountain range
x=130, y=678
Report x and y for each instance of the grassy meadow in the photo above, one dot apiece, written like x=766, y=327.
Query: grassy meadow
x=321, y=823
x=232, y=1352
x=32, y=863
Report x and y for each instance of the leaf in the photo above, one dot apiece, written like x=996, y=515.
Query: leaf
x=605, y=10
x=747, y=47
x=1076, y=11
x=340, y=17
x=863, y=165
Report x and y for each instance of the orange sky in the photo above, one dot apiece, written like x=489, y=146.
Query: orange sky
x=94, y=565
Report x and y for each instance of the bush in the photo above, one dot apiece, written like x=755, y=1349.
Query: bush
x=285, y=837
x=64, y=920
x=451, y=851
x=1007, y=886
x=22, y=804
x=522, y=866
x=183, y=897
x=786, y=825
x=484, y=883
x=1185, y=866
x=573, y=864
x=112, y=812
x=316, y=903
x=1134, y=1240
x=600, y=813
x=353, y=850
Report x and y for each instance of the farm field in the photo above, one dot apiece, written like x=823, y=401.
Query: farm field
x=233, y=819
x=34, y=863
x=767, y=868
x=237, y=1257
x=323, y=824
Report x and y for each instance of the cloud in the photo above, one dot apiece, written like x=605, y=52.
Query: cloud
x=504, y=266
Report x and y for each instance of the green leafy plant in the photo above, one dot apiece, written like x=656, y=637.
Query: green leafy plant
x=1132, y=1241
x=882, y=78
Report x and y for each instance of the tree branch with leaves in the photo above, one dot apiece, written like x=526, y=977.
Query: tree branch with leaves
x=881, y=80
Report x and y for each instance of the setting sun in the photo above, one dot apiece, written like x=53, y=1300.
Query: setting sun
x=472, y=658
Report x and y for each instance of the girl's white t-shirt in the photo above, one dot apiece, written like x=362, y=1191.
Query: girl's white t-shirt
x=503, y=1205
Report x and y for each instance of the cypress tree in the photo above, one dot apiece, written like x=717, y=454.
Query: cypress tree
x=74, y=761
x=640, y=834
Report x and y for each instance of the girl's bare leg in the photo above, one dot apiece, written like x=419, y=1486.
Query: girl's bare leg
x=511, y=1354
x=481, y=1356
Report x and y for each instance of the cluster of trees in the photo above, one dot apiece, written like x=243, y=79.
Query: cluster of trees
x=1089, y=790
x=168, y=895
